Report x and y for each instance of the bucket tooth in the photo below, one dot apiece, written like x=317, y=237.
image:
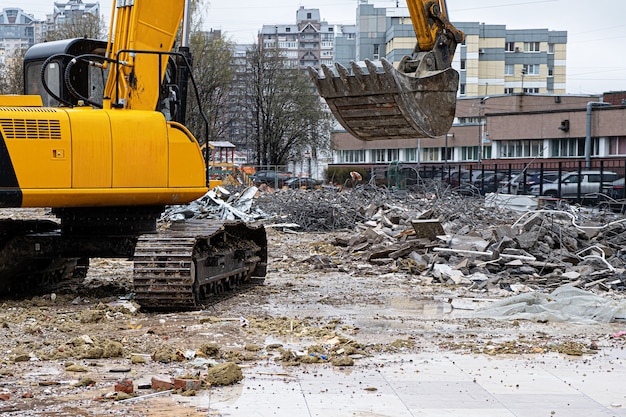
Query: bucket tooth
x=344, y=75
x=359, y=75
x=328, y=73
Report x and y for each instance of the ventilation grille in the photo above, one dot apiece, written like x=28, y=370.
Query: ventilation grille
x=31, y=129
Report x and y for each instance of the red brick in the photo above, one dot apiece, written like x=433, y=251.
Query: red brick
x=125, y=385
x=5, y=396
x=187, y=384
x=161, y=383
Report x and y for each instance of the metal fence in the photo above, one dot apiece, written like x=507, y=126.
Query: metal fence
x=490, y=177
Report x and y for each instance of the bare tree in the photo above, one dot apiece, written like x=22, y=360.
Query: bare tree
x=12, y=73
x=79, y=26
x=213, y=72
x=287, y=116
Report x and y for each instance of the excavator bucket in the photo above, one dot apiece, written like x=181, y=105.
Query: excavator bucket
x=384, y=103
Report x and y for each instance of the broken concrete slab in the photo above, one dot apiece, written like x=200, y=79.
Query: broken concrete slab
x=427, y=228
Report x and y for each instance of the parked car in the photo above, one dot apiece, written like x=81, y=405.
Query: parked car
x=454, y=178
x=271, y=178
x=301, y=182
x=517, y=186
x=589, y=182
x=458, y=177
x=615, y=189
x=490, y=183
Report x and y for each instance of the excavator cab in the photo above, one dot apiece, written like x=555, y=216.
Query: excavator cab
x=45, y=67
x=417, y=99
x=69, y=73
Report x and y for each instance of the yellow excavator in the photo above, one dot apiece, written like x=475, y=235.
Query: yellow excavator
x=98, y=137
x=415, y=100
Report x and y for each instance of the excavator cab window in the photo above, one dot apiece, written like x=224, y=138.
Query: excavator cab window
x=33, y=84
x=45, y=67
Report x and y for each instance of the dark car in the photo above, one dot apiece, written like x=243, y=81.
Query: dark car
x=271, y=178
x=615, y=189
x=456, y=178
x=301, y=182
x=490, y=183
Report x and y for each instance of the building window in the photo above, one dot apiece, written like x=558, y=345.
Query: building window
x=509, y=69
x=530, y=69
x=430, y=155
x=352, y=156
x=568, y=147
x=463, y=64
x=462, y=89
x=531, y=90
x=287, y=29
x=550, y=48
x=509, y=47
x=410, y=154
x=617, y=145
x=531, y=46
x=521, y=148
x=469, y=153
x=469, y=120
x=509, y=90
x=393, y=155
x=550, y=72
x=308, y=16
x=378, y=155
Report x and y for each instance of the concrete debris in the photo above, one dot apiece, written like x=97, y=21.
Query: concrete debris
x=413, y=232
x=427, y=236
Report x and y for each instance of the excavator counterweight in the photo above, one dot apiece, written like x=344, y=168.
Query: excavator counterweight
x=415, y=100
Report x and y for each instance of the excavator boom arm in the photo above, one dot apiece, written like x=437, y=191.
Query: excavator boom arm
x=139, y=27
x=430, y=20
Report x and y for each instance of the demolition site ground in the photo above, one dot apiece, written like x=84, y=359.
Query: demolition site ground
x=375, y=304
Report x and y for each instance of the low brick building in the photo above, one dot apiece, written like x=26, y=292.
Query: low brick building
x=508, y=129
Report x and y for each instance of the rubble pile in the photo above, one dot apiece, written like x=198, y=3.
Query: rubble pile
x=460, y=241
x=442, y=238
x=489, y=251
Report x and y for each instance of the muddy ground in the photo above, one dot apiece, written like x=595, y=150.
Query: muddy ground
x=63, y=354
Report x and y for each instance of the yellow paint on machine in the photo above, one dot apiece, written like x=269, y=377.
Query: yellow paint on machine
x=109, y=197
x=89, y=157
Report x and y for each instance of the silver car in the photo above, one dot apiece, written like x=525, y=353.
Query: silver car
x=575, y=185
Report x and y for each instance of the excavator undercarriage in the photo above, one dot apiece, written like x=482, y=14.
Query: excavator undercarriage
x=180, y=267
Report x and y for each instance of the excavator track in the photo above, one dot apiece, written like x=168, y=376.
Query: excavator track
x=184, y=266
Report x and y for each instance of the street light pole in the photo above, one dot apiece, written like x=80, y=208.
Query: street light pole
x=481, y=128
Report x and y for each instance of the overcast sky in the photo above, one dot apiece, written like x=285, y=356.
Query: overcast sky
x=596, y=61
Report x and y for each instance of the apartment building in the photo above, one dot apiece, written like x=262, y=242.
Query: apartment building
x=18, y=30
x=492, y=60
x=68, y=11
x=307, y=43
